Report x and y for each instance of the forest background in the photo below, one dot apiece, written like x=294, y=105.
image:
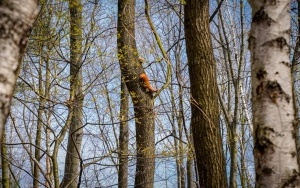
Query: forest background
x=36, y=135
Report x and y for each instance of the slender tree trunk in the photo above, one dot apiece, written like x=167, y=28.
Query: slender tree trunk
x=17, y=17
x=204, y=97
x=175, y=116
x=180, y=152
x=243, y=177
x=123, y=138
x=234, y=81
x=131, y=69
x=190, y=164
x=244, y=174
x=189, y=171
x=233, y=154
x=181, y=125
x=294, y=70
x=49, y=171
x=38, y=138
x=72, y=162
x=4, y=163
x=272, y=102
x=41, y=31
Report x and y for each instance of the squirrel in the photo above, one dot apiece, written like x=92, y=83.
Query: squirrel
x=145, y=79
x=147, y=84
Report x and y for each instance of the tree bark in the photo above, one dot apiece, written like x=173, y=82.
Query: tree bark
x=272, y=102
x=72, y=161
x=4, y=163
x=142, y=99
x=123, y=137
x=204, y=98
x=17, y=17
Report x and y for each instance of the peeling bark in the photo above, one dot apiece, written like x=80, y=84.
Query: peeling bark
x=273, y=112
x=16, y=19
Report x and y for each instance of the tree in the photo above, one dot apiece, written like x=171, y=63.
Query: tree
x=73, y=157
x=232, y=58
x=17, y=17
x=295, y=70
x=123, y=137
x=204, y=98
x=40, y=45
x=131, y=69
x=4, y=163
x=272, y=102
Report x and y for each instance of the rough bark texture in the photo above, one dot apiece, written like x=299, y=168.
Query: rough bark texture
x=123, y=137
x=204, y=98
x=16, y=19
x=142, y=99
x=72, y=163
x=272, y=101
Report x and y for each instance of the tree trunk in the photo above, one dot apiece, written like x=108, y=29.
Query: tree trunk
x=272, y=102
x=41, y=31
x=38, y=138
x=49, y=172
x=4, y=163
x=17, y=17
x=190, y=164
x=295, y=72
x=123, y=137
x=204, y=97
x=189, y=171
x=72, y=163
x=131, y=69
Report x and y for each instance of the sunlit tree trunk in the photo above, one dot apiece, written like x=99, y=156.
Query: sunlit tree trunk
x=180, y=120
x=131, y=69
x=177, y=132
x=49, y=171
x=181, y=127
x=123, y=138
x=4, y=163
x=38, y=138
x=244, y=178
x=190, y=173
x=272, y=102
x=72, y=161
x=17, y=17
x=204, y=97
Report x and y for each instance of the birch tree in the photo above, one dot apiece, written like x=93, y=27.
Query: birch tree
x=272, y=102
x=17, y=17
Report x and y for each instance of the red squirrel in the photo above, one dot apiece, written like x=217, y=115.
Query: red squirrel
x=147, y=84
x=145, y=79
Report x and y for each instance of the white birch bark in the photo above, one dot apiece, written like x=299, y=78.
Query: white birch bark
x=16, y=19
x=273, y=114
